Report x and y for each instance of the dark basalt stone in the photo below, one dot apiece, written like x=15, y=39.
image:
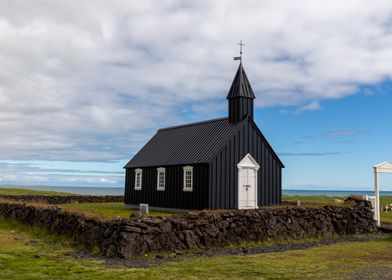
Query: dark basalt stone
x=134, y=237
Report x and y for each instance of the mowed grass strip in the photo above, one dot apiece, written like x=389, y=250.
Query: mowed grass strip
x=30, y=253
x=105, y=210
x=386, y=217
x=314, y=199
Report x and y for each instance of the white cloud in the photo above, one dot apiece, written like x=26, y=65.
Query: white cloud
x=61, y=173
x=341, y=133
x=312, y=106
x=92, y=80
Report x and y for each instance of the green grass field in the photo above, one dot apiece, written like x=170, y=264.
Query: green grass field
x=106, y=210
x=320, y=199
x=386, y=217
x=30, y=253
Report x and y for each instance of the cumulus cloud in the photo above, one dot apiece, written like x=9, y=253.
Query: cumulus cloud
x=60, y=174
x=92, y=80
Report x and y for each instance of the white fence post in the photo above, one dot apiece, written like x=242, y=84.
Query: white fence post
x=377, y=194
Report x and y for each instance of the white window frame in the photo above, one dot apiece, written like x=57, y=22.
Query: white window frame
x=186, y=169
x=137, y=172
x=159, y=170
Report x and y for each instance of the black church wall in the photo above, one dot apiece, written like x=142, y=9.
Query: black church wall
x=223, y=192
x=173, y=196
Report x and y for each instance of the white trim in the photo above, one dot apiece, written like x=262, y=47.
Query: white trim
x=248, y=162
x=137, y=172
x=384, y=167
x=187, y=169
x=159, y=170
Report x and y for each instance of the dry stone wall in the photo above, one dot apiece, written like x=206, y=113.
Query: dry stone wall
x=133, y=237
x=219, y=228
x=83, y=230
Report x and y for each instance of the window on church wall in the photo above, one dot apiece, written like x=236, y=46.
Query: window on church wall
x=138, y=179
x=188, y=178
x=161, y=179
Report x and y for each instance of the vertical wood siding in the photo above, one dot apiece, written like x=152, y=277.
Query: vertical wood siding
x=173, y=196
x=239, y=108
x=224, y=176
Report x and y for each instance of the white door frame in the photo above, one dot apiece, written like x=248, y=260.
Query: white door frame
x=247, y=162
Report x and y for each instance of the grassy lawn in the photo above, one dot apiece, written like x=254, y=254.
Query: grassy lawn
x=386, y=217
x=314, y=199
x=30, y=253
x=17, y=191
x=106, y=210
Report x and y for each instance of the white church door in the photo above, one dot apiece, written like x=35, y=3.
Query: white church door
x=247, y=183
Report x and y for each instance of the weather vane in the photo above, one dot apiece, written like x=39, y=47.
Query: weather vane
x=239, y=57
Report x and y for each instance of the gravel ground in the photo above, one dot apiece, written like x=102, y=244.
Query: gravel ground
x=386, y=227
x=374, y=274
x=145, y=262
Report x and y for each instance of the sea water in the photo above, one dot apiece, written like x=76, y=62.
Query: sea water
x=120, y=191
x=333, y=192
x=75, y=190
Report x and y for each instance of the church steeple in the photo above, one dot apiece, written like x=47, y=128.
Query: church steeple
x=240, y=97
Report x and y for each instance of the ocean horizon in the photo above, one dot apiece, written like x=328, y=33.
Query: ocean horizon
x=120, y=191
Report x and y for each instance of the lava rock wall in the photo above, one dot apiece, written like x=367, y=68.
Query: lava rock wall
x=128, y=238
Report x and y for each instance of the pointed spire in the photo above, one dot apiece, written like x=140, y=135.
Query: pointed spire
x=240, y=86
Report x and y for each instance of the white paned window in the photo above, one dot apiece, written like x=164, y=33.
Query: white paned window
x=188, y=178
x=138, y=179
x=161, y=179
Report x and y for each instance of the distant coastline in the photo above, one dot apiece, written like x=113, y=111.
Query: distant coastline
x=120, y=191
x=333, y=192
x=75, y=190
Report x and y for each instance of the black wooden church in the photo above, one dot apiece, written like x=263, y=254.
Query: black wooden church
x=214, y=164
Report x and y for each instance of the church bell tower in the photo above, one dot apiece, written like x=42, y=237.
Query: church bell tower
x=240, y=97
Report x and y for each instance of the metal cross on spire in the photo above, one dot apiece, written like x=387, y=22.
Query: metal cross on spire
x=239, y=57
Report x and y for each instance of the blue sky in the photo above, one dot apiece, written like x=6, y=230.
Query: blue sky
x=84, y=85
x=334, y=147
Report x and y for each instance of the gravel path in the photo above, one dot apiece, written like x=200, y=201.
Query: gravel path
x=244, y=251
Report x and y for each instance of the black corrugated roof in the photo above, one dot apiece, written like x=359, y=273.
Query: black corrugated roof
x=240, y=86
x=186, y=144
